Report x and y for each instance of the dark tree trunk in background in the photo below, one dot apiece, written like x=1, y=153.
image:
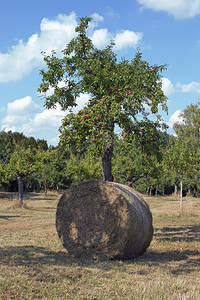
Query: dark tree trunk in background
x=198, y=193
x=156, y=192
x=20, y=189
x=150, y=190
x=45, y=187
x=175, y=189
x=106, y=163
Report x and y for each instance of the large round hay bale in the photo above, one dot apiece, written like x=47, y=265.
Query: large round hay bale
x=104, y=220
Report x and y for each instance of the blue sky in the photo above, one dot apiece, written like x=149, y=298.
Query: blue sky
x=167, y=32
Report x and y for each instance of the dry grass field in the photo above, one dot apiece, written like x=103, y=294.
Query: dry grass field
x=34, y=265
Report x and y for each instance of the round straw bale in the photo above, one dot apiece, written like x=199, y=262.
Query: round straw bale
x=99, y=219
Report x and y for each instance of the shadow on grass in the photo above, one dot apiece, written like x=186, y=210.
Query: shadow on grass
x=42, y=197
x=5, y=217
x=34, y=257
x=181, y=234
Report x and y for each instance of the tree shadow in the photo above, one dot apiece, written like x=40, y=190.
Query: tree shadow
x=188, y=234
x=5, y=217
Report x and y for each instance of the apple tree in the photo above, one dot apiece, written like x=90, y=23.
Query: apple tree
x=21, y=165
x=123, y=94
x=179, y=160
x=188, y=131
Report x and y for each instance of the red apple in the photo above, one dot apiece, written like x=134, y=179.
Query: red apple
x=153, y=69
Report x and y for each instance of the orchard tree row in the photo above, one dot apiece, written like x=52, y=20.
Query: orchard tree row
x=30, y=165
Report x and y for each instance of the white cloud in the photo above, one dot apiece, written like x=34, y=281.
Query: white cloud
x=175, y=118
x=50, y=118
x=96, y=18
x=193, y=87
x=167, y=86
x=122, y=39
x=101, y=37
x=81, y=101
x=24, y=115
x=19, y=111
x=179, y=9
x=23, y=106
x=127, y=38
x=14, y=119
x=24, y=56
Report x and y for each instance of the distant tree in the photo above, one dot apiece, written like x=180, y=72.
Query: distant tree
x=131, y=163
x=122, y=94
x=3, y=177
x=42, y=166
x=83, y=167
x=188, y=135
x=8, y=141
x=180, y=160
x=20, y=166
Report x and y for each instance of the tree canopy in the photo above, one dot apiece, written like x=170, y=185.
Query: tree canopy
x=122, y=94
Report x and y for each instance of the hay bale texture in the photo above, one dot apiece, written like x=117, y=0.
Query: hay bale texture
x=98, y=219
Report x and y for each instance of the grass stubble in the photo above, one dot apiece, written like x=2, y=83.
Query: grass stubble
x=34, y=264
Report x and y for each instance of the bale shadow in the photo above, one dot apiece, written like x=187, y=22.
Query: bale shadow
x=35, y=257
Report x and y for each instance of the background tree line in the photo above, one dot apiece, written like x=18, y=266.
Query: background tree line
x=31, y=165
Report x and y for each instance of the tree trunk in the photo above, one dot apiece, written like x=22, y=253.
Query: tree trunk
x=175, y=189
x=45, y=187
x=156, y=192
x=181, y=193
x=150, y=190
x=198, y=193
x=106, y=163
x=20, y=189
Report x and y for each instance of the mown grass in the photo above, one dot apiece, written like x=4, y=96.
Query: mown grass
x=34, y=265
